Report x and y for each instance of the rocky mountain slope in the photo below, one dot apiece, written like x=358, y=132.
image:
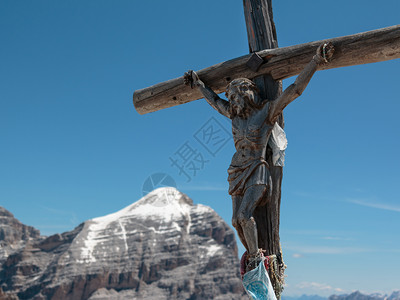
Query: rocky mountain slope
x=13, y=234
x=161, y=247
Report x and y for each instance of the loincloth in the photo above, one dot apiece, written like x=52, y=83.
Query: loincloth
x=252, y=173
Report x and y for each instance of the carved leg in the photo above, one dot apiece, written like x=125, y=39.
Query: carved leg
x=236, y=201
x=251, y=198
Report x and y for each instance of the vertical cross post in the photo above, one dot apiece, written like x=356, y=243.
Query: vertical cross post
x=261, y=35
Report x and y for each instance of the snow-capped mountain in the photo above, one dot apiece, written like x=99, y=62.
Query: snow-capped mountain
x=160, y=247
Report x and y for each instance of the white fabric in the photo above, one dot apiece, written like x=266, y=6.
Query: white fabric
x=278, y=144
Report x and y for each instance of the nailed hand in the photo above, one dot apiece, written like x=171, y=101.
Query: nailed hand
x=190, y=78
x=325, y=52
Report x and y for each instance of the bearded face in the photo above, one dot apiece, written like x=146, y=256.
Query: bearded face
x=242, y=94
x=238, y=102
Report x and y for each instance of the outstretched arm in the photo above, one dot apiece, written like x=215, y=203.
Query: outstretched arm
x=220, y=105
x=324, y=54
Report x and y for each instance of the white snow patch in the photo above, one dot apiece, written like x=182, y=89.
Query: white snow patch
x=210, y=250
x=200, y=209
x=189, y=224
x=213, y=250
x=123, y=235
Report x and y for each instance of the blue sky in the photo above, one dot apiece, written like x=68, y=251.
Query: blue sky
x=72, y=147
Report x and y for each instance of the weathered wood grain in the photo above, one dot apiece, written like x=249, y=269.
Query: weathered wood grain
x=362, y=48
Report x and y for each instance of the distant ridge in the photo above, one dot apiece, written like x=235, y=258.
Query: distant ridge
x=357, y=295
x=360, y=296
x=304, y=297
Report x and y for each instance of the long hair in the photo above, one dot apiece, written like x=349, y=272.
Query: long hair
x=247, y=90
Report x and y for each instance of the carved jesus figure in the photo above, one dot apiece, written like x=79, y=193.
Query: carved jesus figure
x=253, y=120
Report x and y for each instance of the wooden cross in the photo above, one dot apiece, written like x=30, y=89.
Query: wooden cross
x=267, y=65
x=281, y=63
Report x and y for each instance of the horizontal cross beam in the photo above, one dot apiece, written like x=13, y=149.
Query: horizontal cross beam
x=362, y=48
